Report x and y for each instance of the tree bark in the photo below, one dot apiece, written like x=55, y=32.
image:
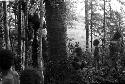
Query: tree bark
x=86, y=25
x=56, y=68
x=19, y=34
x=104, y=25
x=1, y=28
x=26, y=34
x=91, y=24
x=40, y=57
x=5, y=25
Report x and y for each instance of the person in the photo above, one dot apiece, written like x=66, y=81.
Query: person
x=96, y=53
x=115, y=48
x=7, y=74
x=30, y=76
x=78, y=60
x=75, y=63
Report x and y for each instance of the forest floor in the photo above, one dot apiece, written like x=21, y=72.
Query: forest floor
x=105, y=74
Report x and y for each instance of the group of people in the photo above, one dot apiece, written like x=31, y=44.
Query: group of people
x=8, y=75
x=115, y=52
x=115, y=48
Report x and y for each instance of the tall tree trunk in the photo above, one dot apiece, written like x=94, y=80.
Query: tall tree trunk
x=110, y=21
x=91, y=24
x=56, y=68
x=5, y=25
x=41, y=27
x=1, y=28
x=19, y=33
x=40, y=57
x=26, y=34
x=86, y=24
x=104, y=25
x=35, y=51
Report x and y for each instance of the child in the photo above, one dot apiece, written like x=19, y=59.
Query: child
x=8, y=76
x=115, y=48
x=96, y=53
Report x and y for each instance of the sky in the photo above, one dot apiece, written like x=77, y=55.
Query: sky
x=116, y=5
x=78, y=32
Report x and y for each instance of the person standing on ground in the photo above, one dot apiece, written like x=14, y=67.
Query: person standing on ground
x=96, y=53
x=115, y=49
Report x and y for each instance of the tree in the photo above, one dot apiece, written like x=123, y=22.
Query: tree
x=5, y=26
x=86, y=24
x=91, y=23
x=26, y=31
x=1, y=25
x=112, y=18
x=19, y=33
x=56, y=68
x=35, y=21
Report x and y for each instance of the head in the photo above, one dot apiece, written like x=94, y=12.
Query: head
x=78, y=51
x=30, y=76
x=96, y=42
x=6, y=59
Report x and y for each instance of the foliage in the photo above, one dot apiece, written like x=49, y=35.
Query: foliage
x=55, y=45
x=12, y=25
x=89, y=74
x=114, y=19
